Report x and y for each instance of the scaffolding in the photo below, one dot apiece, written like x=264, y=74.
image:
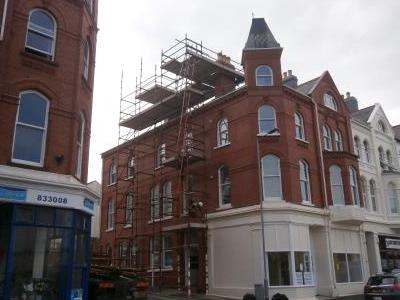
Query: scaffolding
x=160, y=137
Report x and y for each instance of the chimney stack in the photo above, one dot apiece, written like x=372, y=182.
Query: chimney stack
x=289, y=79
x=351, y=102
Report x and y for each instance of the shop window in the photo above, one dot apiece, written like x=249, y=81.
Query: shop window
x=303, y=268
x=167, y=199
x=354, y=186
x=305, y=181
x=224, y=183
x=299, y=125
x=155, y=203
x=279, y=268
x=271, y=177
x=347, y=267
x=335, y=174
x=264, y=76
x=30, y=129
x=167, y=252
x=24, y=214
x=327, y=133
x=45, y=216
x=267, y=120
x=129, y=209
x=79, y=145
x=41, y=34
x=338, y=140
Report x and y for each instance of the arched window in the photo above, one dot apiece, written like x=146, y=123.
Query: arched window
x=338, y=140
x=357, y=147
x=335, y=174
x=382, y=158
x=271, y=177
x=113, y=173
x=299, y=124
x=264, y=76
x=224, y=186
x=327, y=138
x=130, y=167
x=372, y=191
x=86, y=60
x=161, y=155
x=129, y=209
x=167, y=199
x=393, y=198
x=222, y=132
x=367, y=155
x=389, y=158
x=267, y=120
x=365, y=192
x=305, y=182
x=155, y=202
x=330, y=102
x=79, y=145
x=30, y=129
x=354, y=186
x=381, y=126
x=41, y=34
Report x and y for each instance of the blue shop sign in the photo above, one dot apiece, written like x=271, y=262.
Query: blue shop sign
x=89, y=204
x=10, y=193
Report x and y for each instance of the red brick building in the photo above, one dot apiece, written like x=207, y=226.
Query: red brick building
x=47, y=58
x=182, y=192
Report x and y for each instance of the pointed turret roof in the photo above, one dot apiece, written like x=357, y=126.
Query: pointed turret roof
x=260, y=36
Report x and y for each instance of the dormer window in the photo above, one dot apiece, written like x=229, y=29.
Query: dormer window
x=264, y=76
x=330, y=102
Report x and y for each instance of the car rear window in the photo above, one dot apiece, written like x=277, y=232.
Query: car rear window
x=382, y=280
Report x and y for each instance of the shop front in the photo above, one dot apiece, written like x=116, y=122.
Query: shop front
x=389, y=248
x=45, y=229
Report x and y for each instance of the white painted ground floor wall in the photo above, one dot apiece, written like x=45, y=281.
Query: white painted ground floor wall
x=322, y=258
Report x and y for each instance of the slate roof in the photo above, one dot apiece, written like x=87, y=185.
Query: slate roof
x=307, y=87
x=363, y=114
x=396, y=130
x=260, y=36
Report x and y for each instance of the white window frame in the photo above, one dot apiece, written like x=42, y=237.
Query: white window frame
x=130, y=167
x=355, y=194
x=305, y=181
x=268, y=75
x=330, y=102
x=111, y=214
x=79, y=146
x=112, y=179
x=167, y=203
x=327, y=134
x=54, y=38
x=346, y=254
x=161, y=154
x=155, y=206
x=299, y=126
x=44, y=129
x=129, y=209
x=223, y=132
x=261, y=118
x=393, y=199
x=338, y=184
x=86, y=60
x=221, y=186
x=338, y=140
x=264, y=176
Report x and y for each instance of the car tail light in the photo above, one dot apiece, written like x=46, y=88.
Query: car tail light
x=395, y=287
x=106, y=285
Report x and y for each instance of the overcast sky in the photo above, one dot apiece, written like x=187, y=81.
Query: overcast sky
x=357, y=41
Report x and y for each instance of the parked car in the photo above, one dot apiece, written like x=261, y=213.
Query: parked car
x=383, y=287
